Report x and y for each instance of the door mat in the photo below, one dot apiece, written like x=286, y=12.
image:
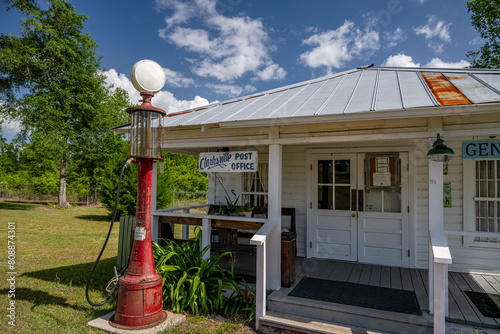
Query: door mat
x=361, y=295
x=487, y=303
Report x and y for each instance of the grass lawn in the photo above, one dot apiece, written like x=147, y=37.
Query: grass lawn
x=55, y=251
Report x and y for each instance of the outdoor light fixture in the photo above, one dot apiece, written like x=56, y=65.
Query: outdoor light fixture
x=439, y=151
x=139, y=303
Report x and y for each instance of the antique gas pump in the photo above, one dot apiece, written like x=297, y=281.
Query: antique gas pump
x=139, y=302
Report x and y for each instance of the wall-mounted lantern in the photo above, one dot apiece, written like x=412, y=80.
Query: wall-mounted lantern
x=439, y=151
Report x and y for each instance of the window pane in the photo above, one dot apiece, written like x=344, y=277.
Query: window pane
x=483, y=225
x=342, y=198
x=491, y=169
x=342, y=171
x=325, y=171
x=373, y=200
x=491, y=188
x=482, y=170
x=392, y=201
x=482, y=189
x=482, y=209
x=325, y=197
x=491, y=209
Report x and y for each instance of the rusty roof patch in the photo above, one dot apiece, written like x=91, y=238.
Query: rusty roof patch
x=444, y=91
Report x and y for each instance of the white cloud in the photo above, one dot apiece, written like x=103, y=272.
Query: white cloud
x=437, y=47
x=164, y=99
x=434, y=28
x=175, y=79
x=335, y=47
x=272, y=72
x=227, y=47
x=394, y=38
x=476, y=41
x=231, y=90
x=436, y=62
x=11, y=127
x=402, y=60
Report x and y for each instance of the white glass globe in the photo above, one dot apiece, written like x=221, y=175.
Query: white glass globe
x=147, y=76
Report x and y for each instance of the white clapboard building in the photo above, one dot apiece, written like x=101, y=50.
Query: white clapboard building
x=349, y=152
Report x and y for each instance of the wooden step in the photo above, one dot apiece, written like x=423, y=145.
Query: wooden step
x=275, y=323
x=377, y=320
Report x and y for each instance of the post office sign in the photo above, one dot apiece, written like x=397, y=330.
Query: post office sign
x=229, y=162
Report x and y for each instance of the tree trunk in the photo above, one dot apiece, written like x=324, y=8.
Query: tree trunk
x=62, y=202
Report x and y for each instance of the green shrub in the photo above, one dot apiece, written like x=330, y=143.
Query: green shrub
x=197, y=285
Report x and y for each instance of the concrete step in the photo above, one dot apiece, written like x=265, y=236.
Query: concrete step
x=275, y=323
x=377, y=320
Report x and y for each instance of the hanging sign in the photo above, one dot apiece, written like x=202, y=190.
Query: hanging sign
x=481, y=149
x=229, y=162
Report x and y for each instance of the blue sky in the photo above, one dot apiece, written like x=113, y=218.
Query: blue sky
x=216, y=50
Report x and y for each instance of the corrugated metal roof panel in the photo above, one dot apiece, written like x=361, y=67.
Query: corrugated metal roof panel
x=241, y=108
x=444, y=91
x=473, y=89
x=361, y=100
x=491, y=80
x=320, y=96
x=338, y=102
x=414, y=93
x=372, y=89
x=295, y=106
x=272, y=106
x=389, y=95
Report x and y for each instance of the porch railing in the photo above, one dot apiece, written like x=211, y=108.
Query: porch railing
x=440, y=257
x=259, y=240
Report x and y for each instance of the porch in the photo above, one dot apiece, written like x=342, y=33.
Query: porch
x=289, y=313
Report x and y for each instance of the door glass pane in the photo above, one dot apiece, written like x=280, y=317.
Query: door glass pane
x=373, y=200
x=325, y=197
x=342, y=198
x=392, y=201
x=342, y=171
x=325, y=171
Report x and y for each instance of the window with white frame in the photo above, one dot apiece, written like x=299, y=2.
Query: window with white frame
x=255, y=186
x=487, y=198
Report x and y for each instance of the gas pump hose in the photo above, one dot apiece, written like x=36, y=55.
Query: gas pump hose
x=106, y=242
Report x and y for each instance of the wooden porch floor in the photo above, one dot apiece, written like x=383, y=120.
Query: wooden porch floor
x=461, y=308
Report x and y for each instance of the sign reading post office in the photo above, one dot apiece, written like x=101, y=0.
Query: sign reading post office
x=229, y=162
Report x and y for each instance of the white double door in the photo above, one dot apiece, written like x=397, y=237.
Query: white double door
x=349, y=222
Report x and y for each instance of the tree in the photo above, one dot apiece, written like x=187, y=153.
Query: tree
x=51, y=80
x=485, y=16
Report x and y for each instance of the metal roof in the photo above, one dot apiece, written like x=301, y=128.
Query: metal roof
x=362, y=90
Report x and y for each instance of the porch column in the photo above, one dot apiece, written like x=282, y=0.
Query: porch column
x=154, y=219
x=437, y=272
x=273, y=243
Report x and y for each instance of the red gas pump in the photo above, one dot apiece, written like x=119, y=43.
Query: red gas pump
x=139, y=302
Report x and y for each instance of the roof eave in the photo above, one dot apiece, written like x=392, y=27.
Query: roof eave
x=368, y=116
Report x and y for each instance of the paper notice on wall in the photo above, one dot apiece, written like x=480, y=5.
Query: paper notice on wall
x=381, y=179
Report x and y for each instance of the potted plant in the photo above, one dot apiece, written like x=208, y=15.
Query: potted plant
x=247, y=210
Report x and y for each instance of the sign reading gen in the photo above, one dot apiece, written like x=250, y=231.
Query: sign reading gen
x=228, y=162
x=481, y=149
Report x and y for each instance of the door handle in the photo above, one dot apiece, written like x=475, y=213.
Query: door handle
x=353, y=215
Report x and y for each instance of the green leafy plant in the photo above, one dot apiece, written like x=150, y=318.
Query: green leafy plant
x=200, y=286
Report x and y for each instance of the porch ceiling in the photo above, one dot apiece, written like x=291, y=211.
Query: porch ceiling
x=363, y=93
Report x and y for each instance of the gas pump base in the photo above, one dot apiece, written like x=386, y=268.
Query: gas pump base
x=102, y=324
